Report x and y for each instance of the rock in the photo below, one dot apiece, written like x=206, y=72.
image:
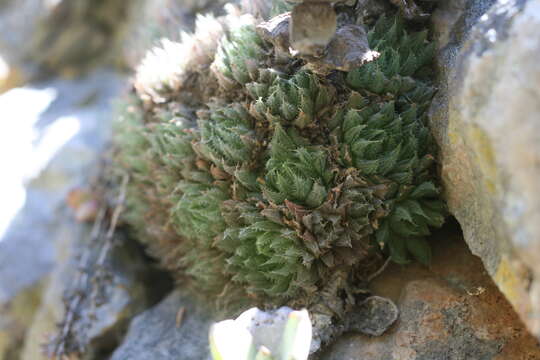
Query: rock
x=169, y=338
x=59, y=138
x=348, y=50
x=18, y=21
x=41, y=244
x=16, y=316
x=373, y=316
x=259, y=8
x=452, y=310
x=312, y=27
x=63, y=37
x=410, y=10
x=51, y=138
x=370, y=10
x=118, y=293
x=10, y=77
x=130, y=285
x=276, y=31
x=485, y=120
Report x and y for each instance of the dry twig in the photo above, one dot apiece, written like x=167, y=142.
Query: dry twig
x=87, y=281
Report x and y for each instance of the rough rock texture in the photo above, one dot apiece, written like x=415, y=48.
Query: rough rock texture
x=67, y=37
x=41, y=244
x=373, y=317
x=326, y=49
x=451, y=311
x=348, y=49
x=100, y=324
x=485, y=119
x=411, y=10
x=58, y=129
x=10, y=77
x=71, y=37
x=16, y=316
x=276, y=31
x=59, y=138
x=313, y=24
x=171, y=336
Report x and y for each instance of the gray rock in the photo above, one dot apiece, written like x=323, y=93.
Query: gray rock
x=374, y=316
x=370, y=10
x=15, y=39
x=129, y=286
x=156, y=335
x=51, y=146
x=348, y=49
x=312, y=27
x=325, y=331
x=115, y=292
x=259, y=8
x=485, y=120
x=411, y=10
x=67, y=37
x=56, y=143
x=276, y=31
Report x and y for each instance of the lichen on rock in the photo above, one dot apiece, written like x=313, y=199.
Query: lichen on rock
x=255, y=180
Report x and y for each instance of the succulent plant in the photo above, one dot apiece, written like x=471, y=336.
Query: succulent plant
x=277, y=185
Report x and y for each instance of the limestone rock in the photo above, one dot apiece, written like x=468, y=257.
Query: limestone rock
x=485, y=119
x=66, y=37
x=10, y=77
x=259, y=8
x=123, y=292
x=451, y=311
x=276, y=31
x=348, y=50
x=49, y=147
x=313, y=24
x=16, y=316
x=171, y=336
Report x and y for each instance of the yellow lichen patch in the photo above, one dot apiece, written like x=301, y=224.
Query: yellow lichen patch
x=10, y=77
x=512, y=280
x=4, y=343
x=15, y=318
x=483, y=149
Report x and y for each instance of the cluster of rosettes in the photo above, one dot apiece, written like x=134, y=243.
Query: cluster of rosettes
x=285, y=186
